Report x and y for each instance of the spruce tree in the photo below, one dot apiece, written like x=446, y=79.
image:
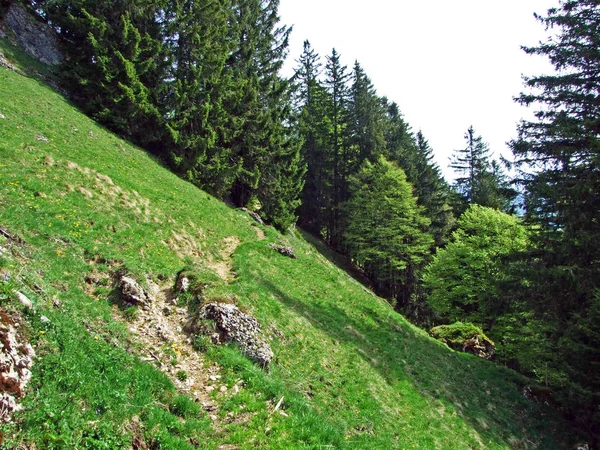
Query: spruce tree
x=415, y=156
x=336, y=80
x=264, y=111
x=313, y=127
x=558, y=154
x=366, y=121
x=115, y=62
x=480, y=179
x=198, y=90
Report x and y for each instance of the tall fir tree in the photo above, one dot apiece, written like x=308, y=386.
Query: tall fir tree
x=415, y=156
x=558, y=154
x=336, y=80
x=264, y=109
x=115, y=62
x=313, y=125
x=198, y=89
x=387, y=231
x=366, y=130
x=480, y=179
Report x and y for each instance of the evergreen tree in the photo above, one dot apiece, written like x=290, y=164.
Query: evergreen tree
x=481, y=181
x=415, y=156
x=264, y=110
x=336, y=80
x=314, y=127
x=199, y=88
x=559, y=157
x=115, y=62
x=386, y=232
x=432, y=191
x=366, y=121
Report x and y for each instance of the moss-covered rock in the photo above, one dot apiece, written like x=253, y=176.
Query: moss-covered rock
x=465, y=337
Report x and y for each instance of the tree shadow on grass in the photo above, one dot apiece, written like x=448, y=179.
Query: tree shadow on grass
x=485, y=396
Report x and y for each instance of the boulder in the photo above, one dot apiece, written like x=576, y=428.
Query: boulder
x=133, y=293
x=233, y=325
x=254, y=215
x=465, y=337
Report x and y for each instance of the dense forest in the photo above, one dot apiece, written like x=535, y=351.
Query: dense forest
x=199, y=85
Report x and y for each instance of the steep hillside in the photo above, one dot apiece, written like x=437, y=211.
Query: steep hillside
x=80, y=206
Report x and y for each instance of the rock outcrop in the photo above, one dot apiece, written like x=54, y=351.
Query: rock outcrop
x=233, y=325
x=33, y=36
x=16, y=359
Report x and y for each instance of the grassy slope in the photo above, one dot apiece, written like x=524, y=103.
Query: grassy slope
x=353, y=373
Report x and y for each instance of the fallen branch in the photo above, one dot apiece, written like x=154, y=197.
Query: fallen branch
x=10, y=237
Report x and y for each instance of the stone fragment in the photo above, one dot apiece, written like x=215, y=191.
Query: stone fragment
x=23, y=300
x=133, y=292
x=183, y=284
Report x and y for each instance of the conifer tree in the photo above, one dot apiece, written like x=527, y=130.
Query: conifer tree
x=198, y=88
x=415, y=156
x=313, y=127
x=558, y=154
x=336, y=81
x=264, y=110
x=481, y=180
x=366, y=121
x=114, y=63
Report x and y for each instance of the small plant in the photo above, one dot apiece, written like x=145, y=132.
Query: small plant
x=130, y=313
x=181, y=375
x=201, y=343
x=6, y=287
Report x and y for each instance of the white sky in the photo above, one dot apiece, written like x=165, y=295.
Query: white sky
x=448, y=64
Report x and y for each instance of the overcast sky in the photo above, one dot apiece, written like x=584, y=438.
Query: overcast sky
x=448, y=64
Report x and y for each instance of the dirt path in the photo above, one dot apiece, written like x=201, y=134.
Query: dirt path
x=159, y=329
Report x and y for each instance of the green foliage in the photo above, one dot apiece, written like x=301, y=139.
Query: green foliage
x=114, y=62
x=465, y=278
x=386, y=232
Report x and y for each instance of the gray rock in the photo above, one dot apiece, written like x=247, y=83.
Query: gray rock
x=254, y=215
x=16, y=360
x=44, y=319
x=32, y=35
x=241, y=328
x=133, y=292
x=285, y=250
